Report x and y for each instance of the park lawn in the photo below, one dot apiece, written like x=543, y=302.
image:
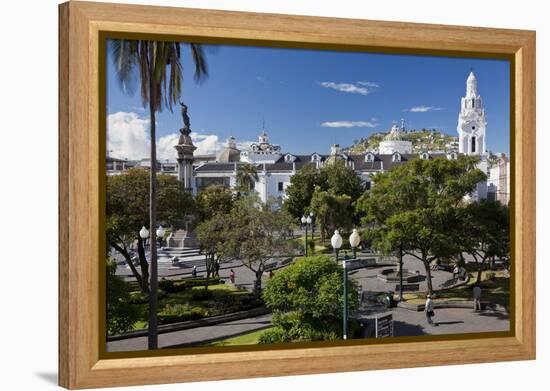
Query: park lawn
x=495, y=290
x=320, y=247
x=219, y=293
x=251, y=338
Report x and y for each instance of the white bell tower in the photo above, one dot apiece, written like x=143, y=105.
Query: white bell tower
x=471, y=121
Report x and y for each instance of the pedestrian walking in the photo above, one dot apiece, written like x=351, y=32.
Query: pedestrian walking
x=232, y=276
x=429, y=309
x=477, y=298
x=270, y=274
x=217, y=266
x=194, y=272
x=456, y=270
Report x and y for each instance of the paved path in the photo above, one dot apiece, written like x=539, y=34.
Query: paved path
x=450, y=321
x=369, y=281
x=196, y=335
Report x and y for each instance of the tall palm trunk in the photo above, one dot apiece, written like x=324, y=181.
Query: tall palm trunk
x=153, y=295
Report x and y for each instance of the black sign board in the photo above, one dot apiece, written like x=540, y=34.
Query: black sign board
x=408, y=287
x=384, y=326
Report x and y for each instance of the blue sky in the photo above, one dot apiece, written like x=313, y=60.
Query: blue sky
x=299, y=93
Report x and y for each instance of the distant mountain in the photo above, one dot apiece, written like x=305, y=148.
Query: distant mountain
x=422, y=140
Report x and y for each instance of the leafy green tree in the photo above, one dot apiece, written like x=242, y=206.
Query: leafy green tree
x=415, y=207
x=307, y=300
x=160, y=72
x=211, y=233
x=248, y=233
x=213, y=200
x=247, y=176
x=484, y=232
x=331, y=211
x=300, y=191
x=127, y=212
x=341, y=180
x=121, y=315
x=334, y=176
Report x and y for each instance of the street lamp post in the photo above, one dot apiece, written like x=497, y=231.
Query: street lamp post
x=144, y=233
x=336, y=242
x=354, y=240
x=303, y=220
x=306, y=221
x=311, y=215
x=160, y=235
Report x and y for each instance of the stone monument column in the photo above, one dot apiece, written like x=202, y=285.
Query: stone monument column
x=185, y=149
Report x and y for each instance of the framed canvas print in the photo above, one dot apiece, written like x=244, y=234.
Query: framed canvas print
x=272, y=194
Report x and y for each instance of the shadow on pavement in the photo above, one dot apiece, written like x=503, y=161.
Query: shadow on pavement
x=450, y=322
x=402, y=329
x=495, y=314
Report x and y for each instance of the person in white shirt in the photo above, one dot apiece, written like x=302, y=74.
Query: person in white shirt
x=477, y=298
x=429, y=309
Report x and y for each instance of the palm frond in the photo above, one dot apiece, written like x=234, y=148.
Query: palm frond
x=201, y=67
x=124, y=53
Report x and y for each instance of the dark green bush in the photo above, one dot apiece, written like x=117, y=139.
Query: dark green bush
x=172, y=313
x=171, y=286
x=274, y=335
x=201, y=294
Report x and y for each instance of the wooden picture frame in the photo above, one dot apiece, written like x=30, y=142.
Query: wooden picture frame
x=81, y=164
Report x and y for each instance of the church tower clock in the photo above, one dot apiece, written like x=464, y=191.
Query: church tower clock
x=471, y=121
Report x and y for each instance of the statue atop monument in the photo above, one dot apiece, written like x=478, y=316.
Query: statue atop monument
x=186, y=130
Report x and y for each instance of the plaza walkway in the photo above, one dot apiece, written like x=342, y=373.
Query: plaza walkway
x=197, y=335
x=449, y=321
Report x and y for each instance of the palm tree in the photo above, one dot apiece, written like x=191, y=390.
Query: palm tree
x=247, y=175
x=160, y=72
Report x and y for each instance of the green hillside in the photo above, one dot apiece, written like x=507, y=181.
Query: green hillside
x=422, y=140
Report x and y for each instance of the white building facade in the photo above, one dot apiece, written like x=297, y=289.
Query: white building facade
x=275, y=168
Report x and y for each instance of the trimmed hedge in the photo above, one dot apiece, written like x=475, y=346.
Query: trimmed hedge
x=171, y=286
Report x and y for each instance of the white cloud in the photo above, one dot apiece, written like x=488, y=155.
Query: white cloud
x=360, y=87
x=127, y=136
x=422, y=109
x=165, y=146
x=244, y=145
x=206, y=143
x=349, y=124
x=369, y=84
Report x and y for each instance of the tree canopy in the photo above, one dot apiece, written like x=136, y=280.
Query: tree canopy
x=484, y=231
x=416, y=207
x=213, y=200
x=307, y=300
x=248, y=233
x=128, y=211
x=335, y=177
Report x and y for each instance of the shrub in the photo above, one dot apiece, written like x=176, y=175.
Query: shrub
x=171, y=286
x=307, y=299
x=172, y=313
x=274, y=335
x=121, y=315
x=201, y=294
x=138, y=297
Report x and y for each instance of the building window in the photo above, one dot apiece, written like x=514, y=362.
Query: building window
x=280, y=186
x=369, y=158
x=473, y=144
x=396, y=157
